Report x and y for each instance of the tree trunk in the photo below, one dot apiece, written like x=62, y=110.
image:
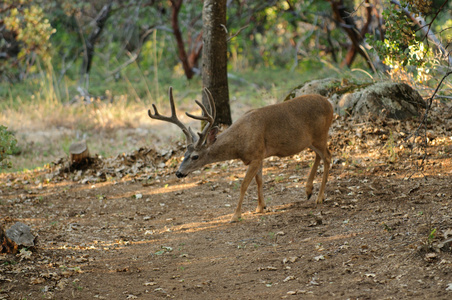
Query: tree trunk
x=214, y=58
x=175, y=8
x=344, y=17
x=101, y=19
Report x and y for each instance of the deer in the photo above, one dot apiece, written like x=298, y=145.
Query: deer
x=281, y=130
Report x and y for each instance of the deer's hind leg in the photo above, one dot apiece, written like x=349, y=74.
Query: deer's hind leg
x=260, y=191
x=309, y=182
x=326, y=168
x=324, y=154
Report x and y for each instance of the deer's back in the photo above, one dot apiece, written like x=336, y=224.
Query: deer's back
x=285, y=128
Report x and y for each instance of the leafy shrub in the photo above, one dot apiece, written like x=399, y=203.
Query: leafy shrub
x=7, y=146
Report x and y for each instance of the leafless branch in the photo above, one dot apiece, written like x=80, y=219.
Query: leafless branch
x=132, y=57
x=237, y=33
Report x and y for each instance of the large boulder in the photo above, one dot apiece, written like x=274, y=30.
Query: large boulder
x=383, y=99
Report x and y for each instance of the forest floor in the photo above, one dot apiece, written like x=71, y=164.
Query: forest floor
x=126, y=228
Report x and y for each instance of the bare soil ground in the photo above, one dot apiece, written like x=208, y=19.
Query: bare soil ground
x=127, y=228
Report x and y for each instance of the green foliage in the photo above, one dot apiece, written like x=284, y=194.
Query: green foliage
x=432, y=236
x=281, y=35
x=275, y=34
x=7, y=146
x=26, y=23
x=270, y=34
x=405, y=47
x=401, y=45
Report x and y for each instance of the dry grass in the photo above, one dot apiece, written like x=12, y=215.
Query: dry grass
x=45, y=130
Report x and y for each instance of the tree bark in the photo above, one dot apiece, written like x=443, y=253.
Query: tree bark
x=78, y=152
x=214, y=58
x=346, y=21
x=101, y=19
x=175, y=8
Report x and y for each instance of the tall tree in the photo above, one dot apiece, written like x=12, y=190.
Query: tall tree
x=344, y=17
x=100, y=21
x=214, y=58
x=188, y=60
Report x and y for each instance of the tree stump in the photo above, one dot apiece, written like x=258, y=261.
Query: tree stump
x=6, y=244
x=78, y=152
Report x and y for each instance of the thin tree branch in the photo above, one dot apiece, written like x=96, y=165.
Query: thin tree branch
x=175, y=8
x=422, y=24
x=436, y=15
x=237, y=33
x=132, y=57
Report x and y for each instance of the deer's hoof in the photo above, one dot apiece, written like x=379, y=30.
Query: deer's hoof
x=235, y=219
x=260, y=210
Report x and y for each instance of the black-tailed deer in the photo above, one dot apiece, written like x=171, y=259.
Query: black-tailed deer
x=281, y=129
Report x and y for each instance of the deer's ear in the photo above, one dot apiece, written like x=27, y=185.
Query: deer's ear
x=212, y=136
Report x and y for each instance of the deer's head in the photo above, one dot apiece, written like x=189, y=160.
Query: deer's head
x=197, y=144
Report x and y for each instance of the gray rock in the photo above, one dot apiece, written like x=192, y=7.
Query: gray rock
x=20, y=233
x=383, y=99
x=324, y=87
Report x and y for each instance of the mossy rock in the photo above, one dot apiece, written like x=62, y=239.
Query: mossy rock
x=324, y=87
x=327, y=87
x=382, y=99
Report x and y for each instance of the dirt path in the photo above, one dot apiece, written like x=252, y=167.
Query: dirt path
x=144, y=234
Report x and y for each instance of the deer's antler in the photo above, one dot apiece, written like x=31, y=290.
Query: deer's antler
x=173, y=119
x=207, y=116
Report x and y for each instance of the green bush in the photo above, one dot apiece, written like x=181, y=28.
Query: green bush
x=7, y=146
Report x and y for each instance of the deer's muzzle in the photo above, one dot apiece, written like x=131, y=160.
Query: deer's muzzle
x=180, y=175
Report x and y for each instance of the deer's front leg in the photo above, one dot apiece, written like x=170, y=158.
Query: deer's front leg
x=252, y=171
x=309, y=182
x=260, y=191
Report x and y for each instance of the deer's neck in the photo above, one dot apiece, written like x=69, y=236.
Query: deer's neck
x=224, y=148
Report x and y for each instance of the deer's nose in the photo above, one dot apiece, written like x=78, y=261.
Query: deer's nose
x=180, y=175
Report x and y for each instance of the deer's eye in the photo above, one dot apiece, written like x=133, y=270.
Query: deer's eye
x=194, y=157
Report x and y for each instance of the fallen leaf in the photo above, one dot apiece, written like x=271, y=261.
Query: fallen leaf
x=447, y=233
x=24, y=254
x=290, y=259
x=431, y=256
x=288, y=278
x=320, y=257
x=37, y=280
x=296, y=292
